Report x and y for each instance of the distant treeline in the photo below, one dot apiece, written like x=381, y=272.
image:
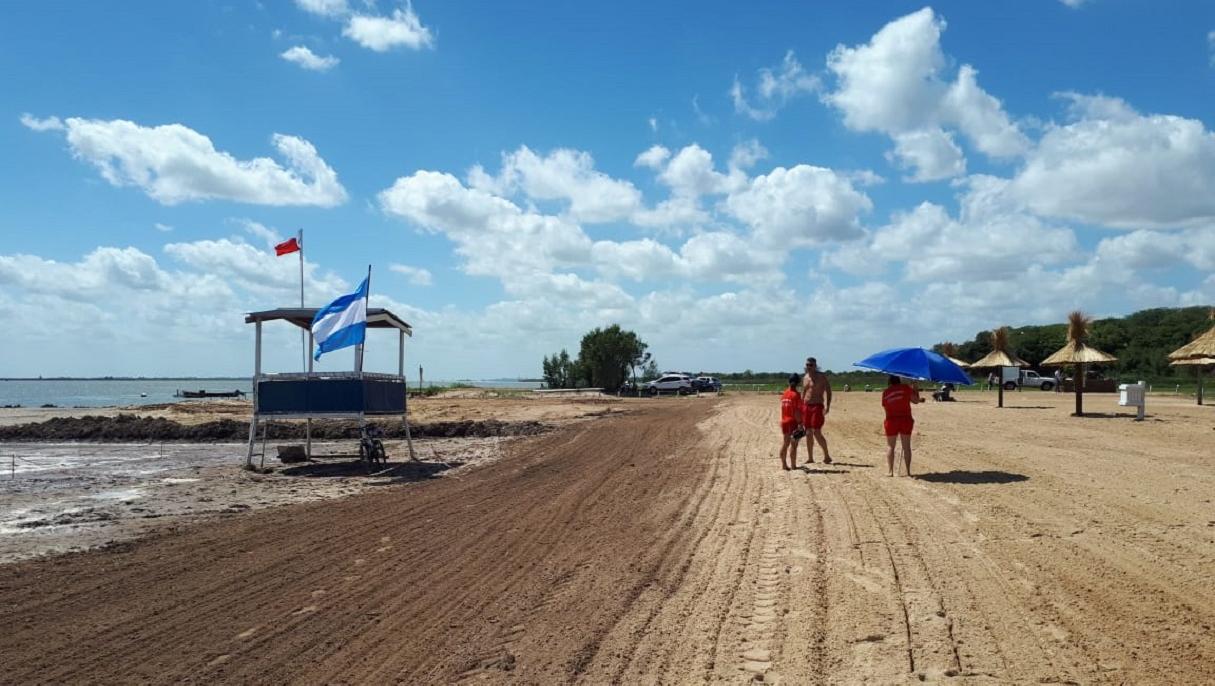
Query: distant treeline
x=1141, y=341
x=854, y=378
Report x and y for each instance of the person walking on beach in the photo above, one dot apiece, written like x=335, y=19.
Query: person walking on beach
x=816, y=393
x=897, y=400
x=1058, y=380
x=790, y=421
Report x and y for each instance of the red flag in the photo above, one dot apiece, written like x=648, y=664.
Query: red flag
x=286, y=247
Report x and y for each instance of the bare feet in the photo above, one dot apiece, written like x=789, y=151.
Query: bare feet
x=890, y=474
x=827, y=459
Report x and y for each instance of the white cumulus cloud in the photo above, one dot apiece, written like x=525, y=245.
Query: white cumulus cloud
x=324, y=8
x=495, y=236
x=746, y=154
x=1116, y=167
x=774, y=87
x=691, y=173
x=31, y=122
x=381, y=34
x=895, y=84
x=307, y=59
x=930, y=155
x=563, y=174
x=173, y=163
x=975, y=246
x=801, y=206
x=654, y=157
x=417, y=276
x=256, y=269
x=1160, y=250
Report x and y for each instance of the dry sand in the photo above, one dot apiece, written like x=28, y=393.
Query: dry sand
x=665, y=545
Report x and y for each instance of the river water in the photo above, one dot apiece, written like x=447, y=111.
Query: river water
x=106, y=392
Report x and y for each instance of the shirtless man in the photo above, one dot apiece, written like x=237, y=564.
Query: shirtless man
x=816, y=393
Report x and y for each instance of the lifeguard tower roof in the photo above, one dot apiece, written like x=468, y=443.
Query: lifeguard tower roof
x=377, y=318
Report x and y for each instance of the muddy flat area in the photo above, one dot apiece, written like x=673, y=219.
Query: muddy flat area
x=58, y=496
x=665, y=545
x=458, y=404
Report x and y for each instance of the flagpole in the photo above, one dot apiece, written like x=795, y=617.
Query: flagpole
x=366, y=302
x=303, y=337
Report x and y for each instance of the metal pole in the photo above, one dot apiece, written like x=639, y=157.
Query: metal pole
x=257, y=372
x=358, y=352
x=301, y=244
x=308, y=427
x=401, y=371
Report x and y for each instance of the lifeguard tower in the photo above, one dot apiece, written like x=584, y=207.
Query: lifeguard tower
x=327, y=395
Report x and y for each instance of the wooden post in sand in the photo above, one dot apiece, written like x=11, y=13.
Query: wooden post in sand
x=1080, y=369
x=257, y=372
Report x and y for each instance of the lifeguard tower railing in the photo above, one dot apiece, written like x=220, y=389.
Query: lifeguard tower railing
x=327, y=395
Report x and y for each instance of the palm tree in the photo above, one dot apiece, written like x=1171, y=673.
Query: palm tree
x=999, y=358
x=1078, y=354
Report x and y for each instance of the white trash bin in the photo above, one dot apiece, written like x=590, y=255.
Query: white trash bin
x=1133, y=395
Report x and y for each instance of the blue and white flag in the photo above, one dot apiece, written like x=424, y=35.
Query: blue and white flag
x=342, y=323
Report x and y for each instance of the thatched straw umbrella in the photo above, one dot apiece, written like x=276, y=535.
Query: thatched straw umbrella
x=1199, y=354
x=950, y=351
x=1078, y=353
x=999, y=358
x=1200, y=365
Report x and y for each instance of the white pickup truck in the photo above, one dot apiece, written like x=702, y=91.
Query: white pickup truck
x=1013, y=377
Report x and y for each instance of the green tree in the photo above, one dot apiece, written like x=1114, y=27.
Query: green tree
x=607, y=355
x=560, y=371
x=650, y=371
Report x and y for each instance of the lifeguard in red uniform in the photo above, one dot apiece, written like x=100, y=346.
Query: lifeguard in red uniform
x=790, y=421
x=897, y=400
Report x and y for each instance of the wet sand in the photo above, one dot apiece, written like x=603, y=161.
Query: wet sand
x=63, y=496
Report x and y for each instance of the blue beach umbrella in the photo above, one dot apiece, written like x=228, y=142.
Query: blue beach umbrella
x=916, y=363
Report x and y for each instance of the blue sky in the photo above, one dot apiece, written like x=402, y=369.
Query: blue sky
x=742, y=184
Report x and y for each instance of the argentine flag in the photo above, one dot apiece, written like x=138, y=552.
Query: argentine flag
x=342, y=323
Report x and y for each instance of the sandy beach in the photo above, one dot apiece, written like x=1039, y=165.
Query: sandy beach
x=663, y=544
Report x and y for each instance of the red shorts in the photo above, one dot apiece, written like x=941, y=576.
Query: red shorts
x=814, y=416
x=788, y=426
x=899, y=425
